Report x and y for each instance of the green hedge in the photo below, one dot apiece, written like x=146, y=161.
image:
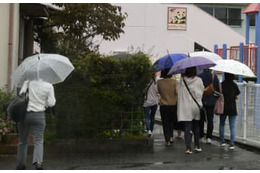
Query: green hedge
x=102, y=97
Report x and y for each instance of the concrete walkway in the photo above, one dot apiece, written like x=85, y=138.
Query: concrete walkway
x=163, y=158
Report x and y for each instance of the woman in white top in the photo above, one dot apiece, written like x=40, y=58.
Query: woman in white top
x=187, y=110
x=41, y=96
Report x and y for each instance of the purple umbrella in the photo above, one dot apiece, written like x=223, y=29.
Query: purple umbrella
x=198, y=61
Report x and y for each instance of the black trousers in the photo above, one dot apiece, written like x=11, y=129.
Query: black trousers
x=210, y=116
x=167, y=116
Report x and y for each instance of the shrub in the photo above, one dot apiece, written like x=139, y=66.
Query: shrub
x=102, y=95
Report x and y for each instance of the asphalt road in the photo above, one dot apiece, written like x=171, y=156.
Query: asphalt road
x=212, y=157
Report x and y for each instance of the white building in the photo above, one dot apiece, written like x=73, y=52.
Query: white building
x=148, y=29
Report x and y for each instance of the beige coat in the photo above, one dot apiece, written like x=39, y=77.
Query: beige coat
x=187, y=108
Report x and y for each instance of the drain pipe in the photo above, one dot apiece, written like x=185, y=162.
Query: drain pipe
x=10, y=46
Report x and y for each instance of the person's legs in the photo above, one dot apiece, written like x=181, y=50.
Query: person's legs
x=187, y=134
x=37, y=128
x=232, y=126
x=196, y=131
x=201, y=124
x=152, y=115
x=163, y=112
x=210, y=116
x=222, y=119
x=172, y=110
x=23, y=133
x=147, y=118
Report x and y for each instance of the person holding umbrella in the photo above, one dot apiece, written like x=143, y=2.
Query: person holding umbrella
x=37, y=74
x=230, y=91
x=208, y=77
x=188, y=111
x=41, y=96
x=167, y=88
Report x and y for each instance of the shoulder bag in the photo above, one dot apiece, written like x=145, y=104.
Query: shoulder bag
x=210, y=89
x=17, y=107
x=219, y=105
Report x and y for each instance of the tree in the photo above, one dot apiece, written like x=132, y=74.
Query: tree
x=73, y=29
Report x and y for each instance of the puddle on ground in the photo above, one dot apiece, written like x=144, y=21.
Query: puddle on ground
x=226, y=168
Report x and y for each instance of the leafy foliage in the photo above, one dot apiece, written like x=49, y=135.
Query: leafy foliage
x=103, y=95
x=71, y=31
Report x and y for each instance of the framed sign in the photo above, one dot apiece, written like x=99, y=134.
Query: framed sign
x=177, y=18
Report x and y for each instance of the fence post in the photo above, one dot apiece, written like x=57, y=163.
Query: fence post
x=241, y=53
x=215, y=48
x=245, y=111
x=247, y=28
x=224, y=56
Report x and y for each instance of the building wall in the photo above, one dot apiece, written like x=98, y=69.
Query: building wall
x=4, y=21
x=4, y=42
x=146, y=29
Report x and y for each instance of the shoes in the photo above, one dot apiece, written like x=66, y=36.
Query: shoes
x=38, y=166
x=150, y=134
x=171, y=140
x=21, y=167
x=198, y=149
x=208, y=141
x=231, y=147
x=188, y=151
x=222, y=144
x=168, y=144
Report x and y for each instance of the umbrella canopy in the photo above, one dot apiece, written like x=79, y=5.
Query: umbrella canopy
x=52, y=68
x=211, y=56
x=168, y=60
x=198, y=61
x=233, y=67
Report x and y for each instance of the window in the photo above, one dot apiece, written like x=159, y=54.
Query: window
x=229, y=16
x=234, y=16
x=208, y=10
x=252, y=19
x=221, y=14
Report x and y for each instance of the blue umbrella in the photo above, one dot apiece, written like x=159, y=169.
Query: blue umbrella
x=168, y=60
x=199, y=62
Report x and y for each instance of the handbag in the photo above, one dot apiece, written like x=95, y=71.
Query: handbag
x=203, y=112
x=219, y=105
x=17, y=107
x=210, y=89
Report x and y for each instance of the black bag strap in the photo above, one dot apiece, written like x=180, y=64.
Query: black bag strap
x=190, y=93
x=146, y=90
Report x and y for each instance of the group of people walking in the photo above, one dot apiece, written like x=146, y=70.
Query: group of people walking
x=180, y=102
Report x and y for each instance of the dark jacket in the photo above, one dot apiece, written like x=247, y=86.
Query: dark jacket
x=230, y=91
x=206, y=77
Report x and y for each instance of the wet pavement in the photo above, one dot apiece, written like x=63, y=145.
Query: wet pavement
x=212, y=157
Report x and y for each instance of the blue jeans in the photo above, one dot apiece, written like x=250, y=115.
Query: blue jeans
x=149, y=116
x=232, y=126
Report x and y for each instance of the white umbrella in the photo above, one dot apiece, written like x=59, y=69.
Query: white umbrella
x=52, y=68
x=211, y=56
x=233, y=67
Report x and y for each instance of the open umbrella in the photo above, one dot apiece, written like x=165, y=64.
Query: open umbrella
x=233, y=67
x=211, y=56
x=52, y=68
x=168, y=60
x=198, y=61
